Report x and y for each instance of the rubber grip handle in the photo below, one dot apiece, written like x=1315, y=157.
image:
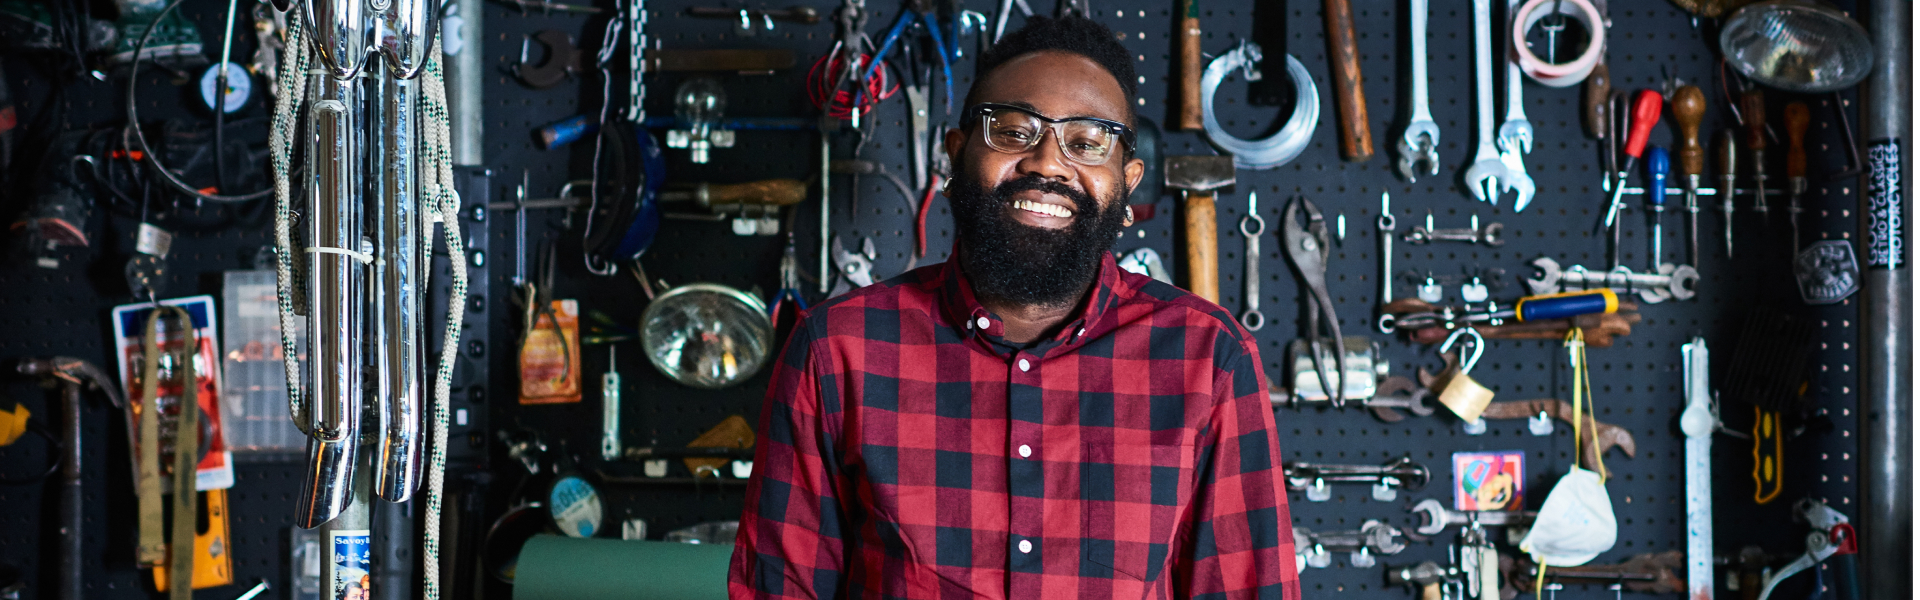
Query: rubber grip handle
x=1594, y=102
x=1566, y=305
x=1657, y=167
x=1688, y=105
x=1349, y=93
x=1203, y=247
x=1797, y=118
x=1646, y=114
x=1753, y=110
x=1187, y=51
x=1726, y=155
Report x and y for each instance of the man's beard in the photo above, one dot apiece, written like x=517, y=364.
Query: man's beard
x=1015, y=262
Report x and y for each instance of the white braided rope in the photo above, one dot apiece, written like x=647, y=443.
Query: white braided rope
x=289, y=91
x=437, y=188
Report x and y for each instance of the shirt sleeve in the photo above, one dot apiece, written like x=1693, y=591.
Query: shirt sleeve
x=790, y=542
x=1239, y=544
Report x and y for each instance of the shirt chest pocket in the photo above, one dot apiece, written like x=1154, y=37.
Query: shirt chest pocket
x=1132, y=496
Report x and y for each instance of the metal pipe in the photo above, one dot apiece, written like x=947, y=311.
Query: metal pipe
x=336, y=275
x=348, y=537
x=71, y=519
x=465, y=74
x=1885, y=416
x=339, y=30
x=396, y=301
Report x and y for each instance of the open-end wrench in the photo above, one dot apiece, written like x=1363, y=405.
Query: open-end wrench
x=1434, y=517
x=1473, y=234
x=1484, y=177
x=1670, y=282
x=1419, y=144
x=1374, y=537
x=1387, y=478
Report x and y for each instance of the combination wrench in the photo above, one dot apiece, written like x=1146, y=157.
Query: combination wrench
x=1516, y=133
x=1485, y=177
x=1434, y=517
x=1419, y=144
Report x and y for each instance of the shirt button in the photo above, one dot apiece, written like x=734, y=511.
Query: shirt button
x=1026, y=546
x=1024, y=365
x=983, y=323
x=1025, y=451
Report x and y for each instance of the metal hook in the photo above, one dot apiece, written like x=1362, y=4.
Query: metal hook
x=1479, y=344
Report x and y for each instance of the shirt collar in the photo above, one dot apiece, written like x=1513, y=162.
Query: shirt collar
x=964, y=311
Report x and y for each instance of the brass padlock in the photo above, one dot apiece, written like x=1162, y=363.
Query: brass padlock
x=1460, y=393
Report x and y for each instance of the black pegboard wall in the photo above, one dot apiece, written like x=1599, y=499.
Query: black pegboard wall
x=1637, y=382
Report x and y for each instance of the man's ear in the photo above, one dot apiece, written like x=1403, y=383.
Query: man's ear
x=955, y=143
x=1135, y=170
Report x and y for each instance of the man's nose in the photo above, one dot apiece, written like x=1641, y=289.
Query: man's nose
x=1046, y=159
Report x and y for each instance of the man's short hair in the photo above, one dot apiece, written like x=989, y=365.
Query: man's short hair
x=1074, y=34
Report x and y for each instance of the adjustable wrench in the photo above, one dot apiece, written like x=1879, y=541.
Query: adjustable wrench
x=1484, y=177
x=1420, y=142
x=1434, y=517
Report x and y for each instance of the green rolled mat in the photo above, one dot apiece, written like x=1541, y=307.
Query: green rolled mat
x=562, y=568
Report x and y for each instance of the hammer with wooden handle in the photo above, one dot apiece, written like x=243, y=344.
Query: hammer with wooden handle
x=1199, y=178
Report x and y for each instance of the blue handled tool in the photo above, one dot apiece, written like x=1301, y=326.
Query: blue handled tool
x=1657, y=166
x=1566, y=305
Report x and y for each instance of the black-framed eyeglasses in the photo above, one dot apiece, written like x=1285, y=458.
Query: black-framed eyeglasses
x=1090, y=141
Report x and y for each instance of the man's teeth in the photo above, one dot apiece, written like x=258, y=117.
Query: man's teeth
x=1045, y=209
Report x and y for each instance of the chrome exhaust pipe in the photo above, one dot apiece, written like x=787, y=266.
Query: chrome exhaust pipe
x=335, y=298
x=400, y=276
x=397, y=300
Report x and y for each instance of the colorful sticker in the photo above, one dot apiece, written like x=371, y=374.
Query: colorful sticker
x=352, y=577
x=1488, y=480
x=1887, y=230
x=576, y=507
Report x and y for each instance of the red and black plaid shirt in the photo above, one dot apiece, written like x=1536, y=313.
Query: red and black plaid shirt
x=908, y=451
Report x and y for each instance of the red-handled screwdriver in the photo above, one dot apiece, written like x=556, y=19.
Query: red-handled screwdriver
x=1646, y=113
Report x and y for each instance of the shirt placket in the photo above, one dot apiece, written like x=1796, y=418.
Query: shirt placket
x=1026, y=478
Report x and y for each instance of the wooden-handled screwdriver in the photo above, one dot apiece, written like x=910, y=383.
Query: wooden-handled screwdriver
x=1796, y=117
x=1690, y=159
x=1595, y=99
x=1726, y=156
x=1753, y=110
x=1349, y=95
x=1186, y=50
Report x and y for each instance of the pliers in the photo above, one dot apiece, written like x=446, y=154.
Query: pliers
x=915, y=10
x=789, y=294
x=1307, y=250
x=856, y=270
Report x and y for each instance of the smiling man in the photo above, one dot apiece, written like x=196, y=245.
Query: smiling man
x=1025, y=420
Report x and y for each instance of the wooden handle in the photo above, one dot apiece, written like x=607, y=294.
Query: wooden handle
x=1595, y=100
x=1430, y=591
x=1796, y=117
x=1349, y=95
x=1186, y=115
x=1688, y=104
x=1203, y=247
x=772, y=192
x=1753, y=110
